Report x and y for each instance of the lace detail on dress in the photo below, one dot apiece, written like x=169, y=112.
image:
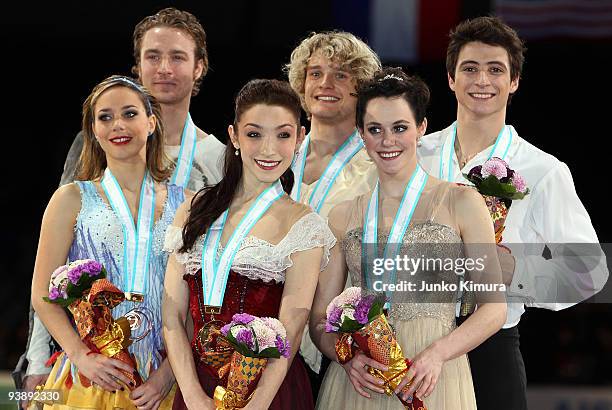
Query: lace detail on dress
x=257, y=258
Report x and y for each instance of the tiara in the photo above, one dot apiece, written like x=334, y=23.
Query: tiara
x=391, y=76
x=134, y=85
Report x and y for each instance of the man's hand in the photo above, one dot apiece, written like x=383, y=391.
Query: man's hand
x=507, y=262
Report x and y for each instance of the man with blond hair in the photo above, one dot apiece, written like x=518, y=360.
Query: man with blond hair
x=331, y=165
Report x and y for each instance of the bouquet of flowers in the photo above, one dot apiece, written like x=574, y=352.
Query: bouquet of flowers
x=361, y=322
x=82, y=287
x=255, y=340
x=499, y=185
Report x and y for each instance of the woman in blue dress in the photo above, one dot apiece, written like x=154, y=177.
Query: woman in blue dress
x=116, y=213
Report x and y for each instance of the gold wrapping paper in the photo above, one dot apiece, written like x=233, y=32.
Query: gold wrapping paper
x=498, y=209
x=98, y=329
x=244, y=374
x=376, y=340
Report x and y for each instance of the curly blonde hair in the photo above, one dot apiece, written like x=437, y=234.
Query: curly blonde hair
x=340, y=47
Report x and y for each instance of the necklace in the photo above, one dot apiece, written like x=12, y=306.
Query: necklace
x=463, y=159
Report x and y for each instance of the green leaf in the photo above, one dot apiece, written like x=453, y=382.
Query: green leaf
x=350, y=326
x=270, y=352
x=376, y=310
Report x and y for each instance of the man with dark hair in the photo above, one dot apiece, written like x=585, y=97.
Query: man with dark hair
x=170, y=61
x=484, y=63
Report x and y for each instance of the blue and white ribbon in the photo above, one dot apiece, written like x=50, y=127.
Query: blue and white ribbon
x=215, y=273
x=345, y=153
x=137, y=240
x=403, y=216
x=500, y=150
x=184, y=162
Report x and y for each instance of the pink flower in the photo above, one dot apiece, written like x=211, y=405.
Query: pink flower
x=266, y=337
x=519, y=182
x=496, y=167
x=275, y=325
x=59, y=271
x=350, y=296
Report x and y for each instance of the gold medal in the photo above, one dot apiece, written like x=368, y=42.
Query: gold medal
x=134, y=297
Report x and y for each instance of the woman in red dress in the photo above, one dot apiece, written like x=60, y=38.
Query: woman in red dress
x=269, y=252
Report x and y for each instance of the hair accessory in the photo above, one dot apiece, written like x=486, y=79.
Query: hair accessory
x=237, y=152
x=391, y=76
x=137, y=87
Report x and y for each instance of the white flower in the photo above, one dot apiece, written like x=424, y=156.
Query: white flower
x=347, y=313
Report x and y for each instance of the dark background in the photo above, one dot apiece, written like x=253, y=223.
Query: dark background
x=53, y=55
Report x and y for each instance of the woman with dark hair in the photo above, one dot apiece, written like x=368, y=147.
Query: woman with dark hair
x=269, y=251
x=122, y=174
x=430, y=220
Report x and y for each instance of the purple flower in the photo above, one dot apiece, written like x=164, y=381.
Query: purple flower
x=245, y=336
x=363, y=309
x=225, y=329
x=475, y=172
x=519, y=182
x=282, y=346
x=243, y=318
x=93, y=268
x=334, y=315
x=54, y=293
x=329, y=328
x=74, y=275
x=495, y=167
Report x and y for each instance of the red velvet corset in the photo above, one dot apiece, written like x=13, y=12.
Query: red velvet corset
x=242, y=295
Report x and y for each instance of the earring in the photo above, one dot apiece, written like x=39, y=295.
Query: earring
x=419, y=142
x=237, y=152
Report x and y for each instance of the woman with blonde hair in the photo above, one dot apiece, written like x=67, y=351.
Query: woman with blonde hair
x=121, y=177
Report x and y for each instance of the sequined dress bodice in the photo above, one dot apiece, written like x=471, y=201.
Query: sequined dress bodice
x=426, y=240
x=98, y=235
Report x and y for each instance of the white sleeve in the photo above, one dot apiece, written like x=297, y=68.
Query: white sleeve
x=577, y=269
x=39, y=349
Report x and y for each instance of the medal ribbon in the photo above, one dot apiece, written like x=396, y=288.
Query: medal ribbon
x=500, y=150
x=216, y=272
x=410, y=199
x=345, y=153
x=137, y=240
x=184, y=162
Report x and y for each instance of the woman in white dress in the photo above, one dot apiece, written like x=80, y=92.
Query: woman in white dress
x=443, y=219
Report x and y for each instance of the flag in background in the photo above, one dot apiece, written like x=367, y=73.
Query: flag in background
x=412, y=31
x=545, y=19
x=401, y=31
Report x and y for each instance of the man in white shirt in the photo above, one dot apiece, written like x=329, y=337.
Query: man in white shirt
x=332, y=165
x=484, y=63
x=170, y=60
